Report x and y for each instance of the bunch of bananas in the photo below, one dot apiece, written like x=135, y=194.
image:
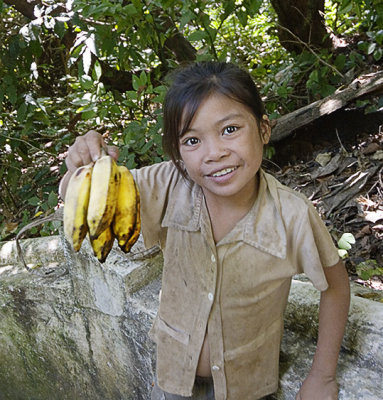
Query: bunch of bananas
x=102, y=200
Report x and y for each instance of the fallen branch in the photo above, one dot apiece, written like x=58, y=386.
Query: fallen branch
x=365, y=85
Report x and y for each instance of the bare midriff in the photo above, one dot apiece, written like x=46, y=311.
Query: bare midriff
x=203, y=368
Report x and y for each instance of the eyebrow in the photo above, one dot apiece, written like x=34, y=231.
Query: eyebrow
x=219, y=122
x=229, y=117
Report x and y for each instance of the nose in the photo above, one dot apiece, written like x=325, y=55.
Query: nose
x=215, y=150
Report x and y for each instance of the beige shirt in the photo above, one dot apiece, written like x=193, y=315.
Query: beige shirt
x=236, y=289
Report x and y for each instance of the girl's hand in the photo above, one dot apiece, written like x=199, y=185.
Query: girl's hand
x=86, y=149
x=318, y=387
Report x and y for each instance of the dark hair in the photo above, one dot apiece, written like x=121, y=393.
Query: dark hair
x=193, y=84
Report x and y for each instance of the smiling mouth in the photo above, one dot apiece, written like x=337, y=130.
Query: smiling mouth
x=223, y=172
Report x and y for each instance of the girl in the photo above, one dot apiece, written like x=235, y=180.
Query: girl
x=232, y=238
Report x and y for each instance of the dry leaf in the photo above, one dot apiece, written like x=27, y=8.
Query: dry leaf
x=371, y=148
x=366, y=230
x=323, y=159
x=331, y=167
x=11, y=227
x=373, y=216
x=378, y=155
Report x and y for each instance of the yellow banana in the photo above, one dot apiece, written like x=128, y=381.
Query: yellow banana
x=102, y=244
x=76, y=206
x=125, y=215
x=103, y=200
x=103, y=195
x=137, y=226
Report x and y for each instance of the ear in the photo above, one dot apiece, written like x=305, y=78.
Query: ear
x=265, y=128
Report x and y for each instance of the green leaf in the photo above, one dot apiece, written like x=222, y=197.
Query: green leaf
x=345, y=7
x=12, y=94
x=343, y=244
x=34, y=201
x=91, y=44
x=346, y=240
x=97, y=70
x=342, y=253
x=146, y=147
x=369, y=268
x=88, y=114
x=167, y=3
x=378, y=54
x=115, y=109
x=186, y=18
x=327, y=90
x=86, y=82
x=379, y=36
x=22, y=112
x=197, y=36
x=143, y=80
x=340, y=61
x=283, y=92
x=253, y=6
x=135, y=82
x=229, y=7
x=371, y=48
x=242, y=16
x=52, y=199
x=130, y=10
x=102, y=113
x=314, y=76
x=87, y=60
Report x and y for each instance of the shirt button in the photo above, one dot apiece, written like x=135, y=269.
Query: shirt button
x=215, y=368
x=210, y=296
x=213, y=258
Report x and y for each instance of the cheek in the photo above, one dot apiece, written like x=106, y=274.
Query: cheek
x=188, y=162
x=255, y=154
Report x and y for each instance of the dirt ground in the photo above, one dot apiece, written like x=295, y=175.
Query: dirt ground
x=337, y=163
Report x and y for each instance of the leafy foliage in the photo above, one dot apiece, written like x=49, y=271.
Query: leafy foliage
x=368, y=269
x=67, y=67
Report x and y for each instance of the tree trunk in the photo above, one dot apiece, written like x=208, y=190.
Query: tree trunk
x=301, y=23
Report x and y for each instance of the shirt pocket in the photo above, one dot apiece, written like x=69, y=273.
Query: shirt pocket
x=161, y=329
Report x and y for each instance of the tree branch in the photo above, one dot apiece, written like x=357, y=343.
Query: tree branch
x=25, y=7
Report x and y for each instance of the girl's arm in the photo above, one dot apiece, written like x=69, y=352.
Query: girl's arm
x=321, y=384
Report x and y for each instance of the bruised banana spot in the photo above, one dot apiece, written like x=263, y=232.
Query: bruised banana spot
x=78, y=171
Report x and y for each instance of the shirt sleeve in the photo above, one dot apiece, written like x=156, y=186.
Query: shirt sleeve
x=315, y=248
x=155, y=183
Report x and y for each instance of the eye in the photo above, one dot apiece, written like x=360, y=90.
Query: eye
x=228, y=130
x=191, y=141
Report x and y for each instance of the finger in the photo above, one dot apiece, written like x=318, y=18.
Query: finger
x=298, y=396
x=113, y=152
x=78, y=154
x=94, y=142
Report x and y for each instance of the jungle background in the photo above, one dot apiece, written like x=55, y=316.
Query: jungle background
x=67, y=67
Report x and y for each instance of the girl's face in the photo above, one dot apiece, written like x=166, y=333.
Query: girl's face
x=222, y=150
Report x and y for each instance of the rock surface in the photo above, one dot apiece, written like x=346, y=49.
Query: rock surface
x=76, y=329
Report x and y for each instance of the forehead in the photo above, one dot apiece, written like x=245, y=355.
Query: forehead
x=217, y=106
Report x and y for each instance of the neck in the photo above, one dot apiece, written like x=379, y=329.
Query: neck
x=242, y=201
x=225, y=213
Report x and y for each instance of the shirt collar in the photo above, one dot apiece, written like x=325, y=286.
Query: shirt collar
x=262, y=227
x=184, y=208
